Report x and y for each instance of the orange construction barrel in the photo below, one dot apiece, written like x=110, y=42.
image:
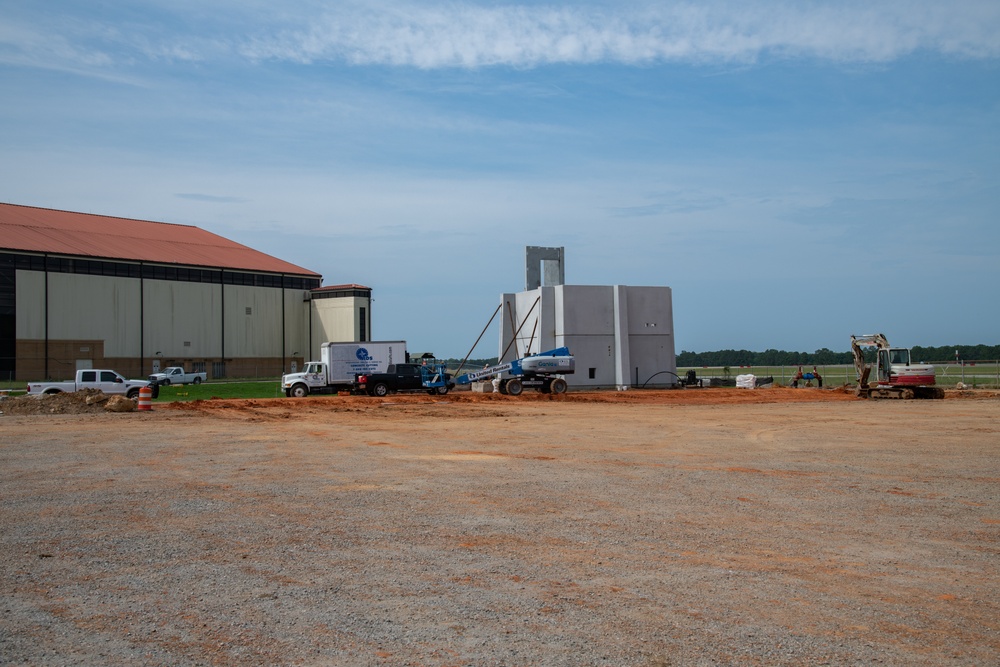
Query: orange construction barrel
x=145, y=399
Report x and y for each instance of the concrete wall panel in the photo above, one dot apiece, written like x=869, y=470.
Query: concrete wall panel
x=586, y=309
x=96, y=307
x=30, y=297
x=253, y=321
x=653, y=356
x=296, y=325
x=183, y=320
x=650, y=310
x=591, y=352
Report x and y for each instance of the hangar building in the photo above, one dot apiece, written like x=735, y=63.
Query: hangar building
x=620, y=335
x=91, y=291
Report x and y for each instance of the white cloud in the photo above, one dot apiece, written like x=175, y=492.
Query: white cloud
x=469, y=36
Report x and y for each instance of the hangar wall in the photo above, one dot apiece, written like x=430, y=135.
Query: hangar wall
x=66, y=321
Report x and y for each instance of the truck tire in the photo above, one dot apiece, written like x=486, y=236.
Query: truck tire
x=298, y=391
x=514, y=387
x=52, y=391
x=441, y=391
x=558, y=386
x=197, y=380
x=165, y=382
x=132, y=394
x=381, y=390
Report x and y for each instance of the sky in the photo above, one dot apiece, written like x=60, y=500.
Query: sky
x=796, y=171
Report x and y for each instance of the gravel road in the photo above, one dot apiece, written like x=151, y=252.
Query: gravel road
x=755, y=530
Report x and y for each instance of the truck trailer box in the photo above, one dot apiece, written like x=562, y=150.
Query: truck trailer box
x=339, y=363
x=345, y=360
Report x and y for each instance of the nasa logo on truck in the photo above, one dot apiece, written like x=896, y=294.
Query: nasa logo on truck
x=363, y=354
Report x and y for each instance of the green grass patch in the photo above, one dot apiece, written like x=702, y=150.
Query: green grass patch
x=209, y=390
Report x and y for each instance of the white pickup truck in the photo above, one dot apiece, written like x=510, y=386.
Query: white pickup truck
x=176, y=375
x=107, y=381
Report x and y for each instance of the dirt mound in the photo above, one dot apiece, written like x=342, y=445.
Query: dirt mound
x=87, y=401
x=719, y=396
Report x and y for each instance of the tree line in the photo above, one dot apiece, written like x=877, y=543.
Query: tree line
x=826, y=357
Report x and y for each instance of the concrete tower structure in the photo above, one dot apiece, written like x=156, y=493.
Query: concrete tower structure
x=621, y=335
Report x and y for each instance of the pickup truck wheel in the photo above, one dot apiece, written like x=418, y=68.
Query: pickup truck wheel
x=298, y=391
x=441, y=391
x=381, y=390
x=514, y=387
x=197, y=380
x=558, y=386
x=165, y=382
x=132, y=394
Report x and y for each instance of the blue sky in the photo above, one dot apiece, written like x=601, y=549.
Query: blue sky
x=795, y=171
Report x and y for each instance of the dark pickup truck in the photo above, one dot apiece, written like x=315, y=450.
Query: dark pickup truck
x=431, y=378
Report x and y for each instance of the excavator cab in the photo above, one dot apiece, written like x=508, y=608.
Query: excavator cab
x=884, y=365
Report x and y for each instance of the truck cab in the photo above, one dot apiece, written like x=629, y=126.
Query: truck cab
x=313, y=378
x=108, y=382
x=895, y=367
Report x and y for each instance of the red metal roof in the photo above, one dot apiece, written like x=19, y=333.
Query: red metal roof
x=43, y=230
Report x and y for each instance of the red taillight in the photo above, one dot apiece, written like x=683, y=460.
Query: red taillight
x=362, y=379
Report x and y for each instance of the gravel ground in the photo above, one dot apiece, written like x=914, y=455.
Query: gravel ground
x=497, y=531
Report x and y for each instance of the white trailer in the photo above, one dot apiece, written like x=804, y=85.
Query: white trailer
x=339, y=363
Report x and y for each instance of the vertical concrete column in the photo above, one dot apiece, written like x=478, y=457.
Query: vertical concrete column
x=545, y=336
x=623, y=363
x=506, y=328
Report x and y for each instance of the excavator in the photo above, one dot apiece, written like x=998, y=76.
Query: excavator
x=895, y=375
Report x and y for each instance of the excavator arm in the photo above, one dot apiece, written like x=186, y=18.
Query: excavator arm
x=858, y=343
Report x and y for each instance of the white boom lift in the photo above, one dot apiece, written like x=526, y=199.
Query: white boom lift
x=540, y=371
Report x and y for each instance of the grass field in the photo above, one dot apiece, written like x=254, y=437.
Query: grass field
x=981, y=375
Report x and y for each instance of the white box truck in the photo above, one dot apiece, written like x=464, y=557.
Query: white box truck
x=339, y=363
